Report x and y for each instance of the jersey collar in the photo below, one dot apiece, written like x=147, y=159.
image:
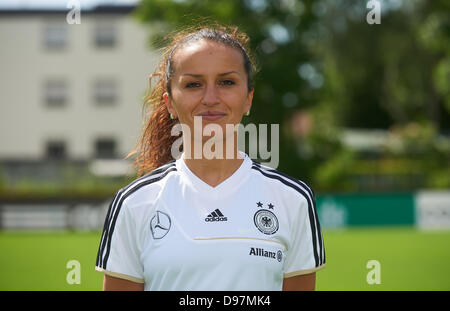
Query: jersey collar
x=228, y=186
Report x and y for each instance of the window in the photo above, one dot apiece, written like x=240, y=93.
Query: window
x=55, y=36
x=105, y=92
x=105, y=148
x=55, y=93
x=56, y=150
x=105, y=35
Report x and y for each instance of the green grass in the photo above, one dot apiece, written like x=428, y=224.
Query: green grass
x=37, y=261
x=409, y=259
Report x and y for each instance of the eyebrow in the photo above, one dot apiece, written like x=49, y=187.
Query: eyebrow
x=199, y=75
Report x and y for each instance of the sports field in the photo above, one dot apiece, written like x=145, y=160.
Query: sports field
x=409, y=259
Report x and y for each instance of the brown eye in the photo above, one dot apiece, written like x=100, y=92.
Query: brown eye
x=227, y=82
x=192, y=85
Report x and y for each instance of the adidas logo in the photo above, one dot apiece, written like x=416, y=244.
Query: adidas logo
x=215, y=216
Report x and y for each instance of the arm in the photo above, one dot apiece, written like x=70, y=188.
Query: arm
x=119, y=251
x=305, y=282
x=111, y=283
x=306, y=254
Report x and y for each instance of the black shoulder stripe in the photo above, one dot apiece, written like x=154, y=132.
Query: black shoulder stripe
x=310, y=209
x=116, y=205
x=113, y=205
x=312, y=196
x=123, y=190
x=152, y=173
x=105, y=228
x=137, y=181
x=271, y=170
x=116, y=210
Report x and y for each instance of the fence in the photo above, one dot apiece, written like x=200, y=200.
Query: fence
x=425, y=210
x=61, y=214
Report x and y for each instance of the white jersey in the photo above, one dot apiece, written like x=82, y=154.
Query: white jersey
x=172, y=231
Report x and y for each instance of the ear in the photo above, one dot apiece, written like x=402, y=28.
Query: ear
x=168, y=103
x=248, y=101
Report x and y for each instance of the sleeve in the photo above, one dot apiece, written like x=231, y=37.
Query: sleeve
x=119, y=251
x=306, y=253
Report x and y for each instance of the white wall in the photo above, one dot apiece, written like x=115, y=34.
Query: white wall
x=26, y=123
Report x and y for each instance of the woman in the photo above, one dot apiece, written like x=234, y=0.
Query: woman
x=207, y=223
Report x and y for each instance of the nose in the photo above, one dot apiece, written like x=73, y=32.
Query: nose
x=210, y=97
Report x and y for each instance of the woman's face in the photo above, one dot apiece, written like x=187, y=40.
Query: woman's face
x=209, y=81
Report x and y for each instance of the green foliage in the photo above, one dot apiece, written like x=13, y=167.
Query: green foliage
x=441, y=79
x=2, y=179
x=430, y=151
x=331, y=174
x=84, y=186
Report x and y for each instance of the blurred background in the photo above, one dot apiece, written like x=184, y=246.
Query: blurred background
x=361, y=90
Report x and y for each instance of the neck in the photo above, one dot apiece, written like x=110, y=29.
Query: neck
x=213, y=170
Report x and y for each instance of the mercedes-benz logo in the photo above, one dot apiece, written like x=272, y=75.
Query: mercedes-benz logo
x=160, y=225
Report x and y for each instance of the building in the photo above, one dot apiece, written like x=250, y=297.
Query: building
x=71, y=92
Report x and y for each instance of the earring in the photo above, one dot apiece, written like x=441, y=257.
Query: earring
x=172, y=117
x=247, y=113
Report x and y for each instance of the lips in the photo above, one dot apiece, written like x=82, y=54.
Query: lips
x=212, y=115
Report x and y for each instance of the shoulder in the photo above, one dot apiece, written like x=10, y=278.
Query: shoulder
x=147, y=186
x=283, y=182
